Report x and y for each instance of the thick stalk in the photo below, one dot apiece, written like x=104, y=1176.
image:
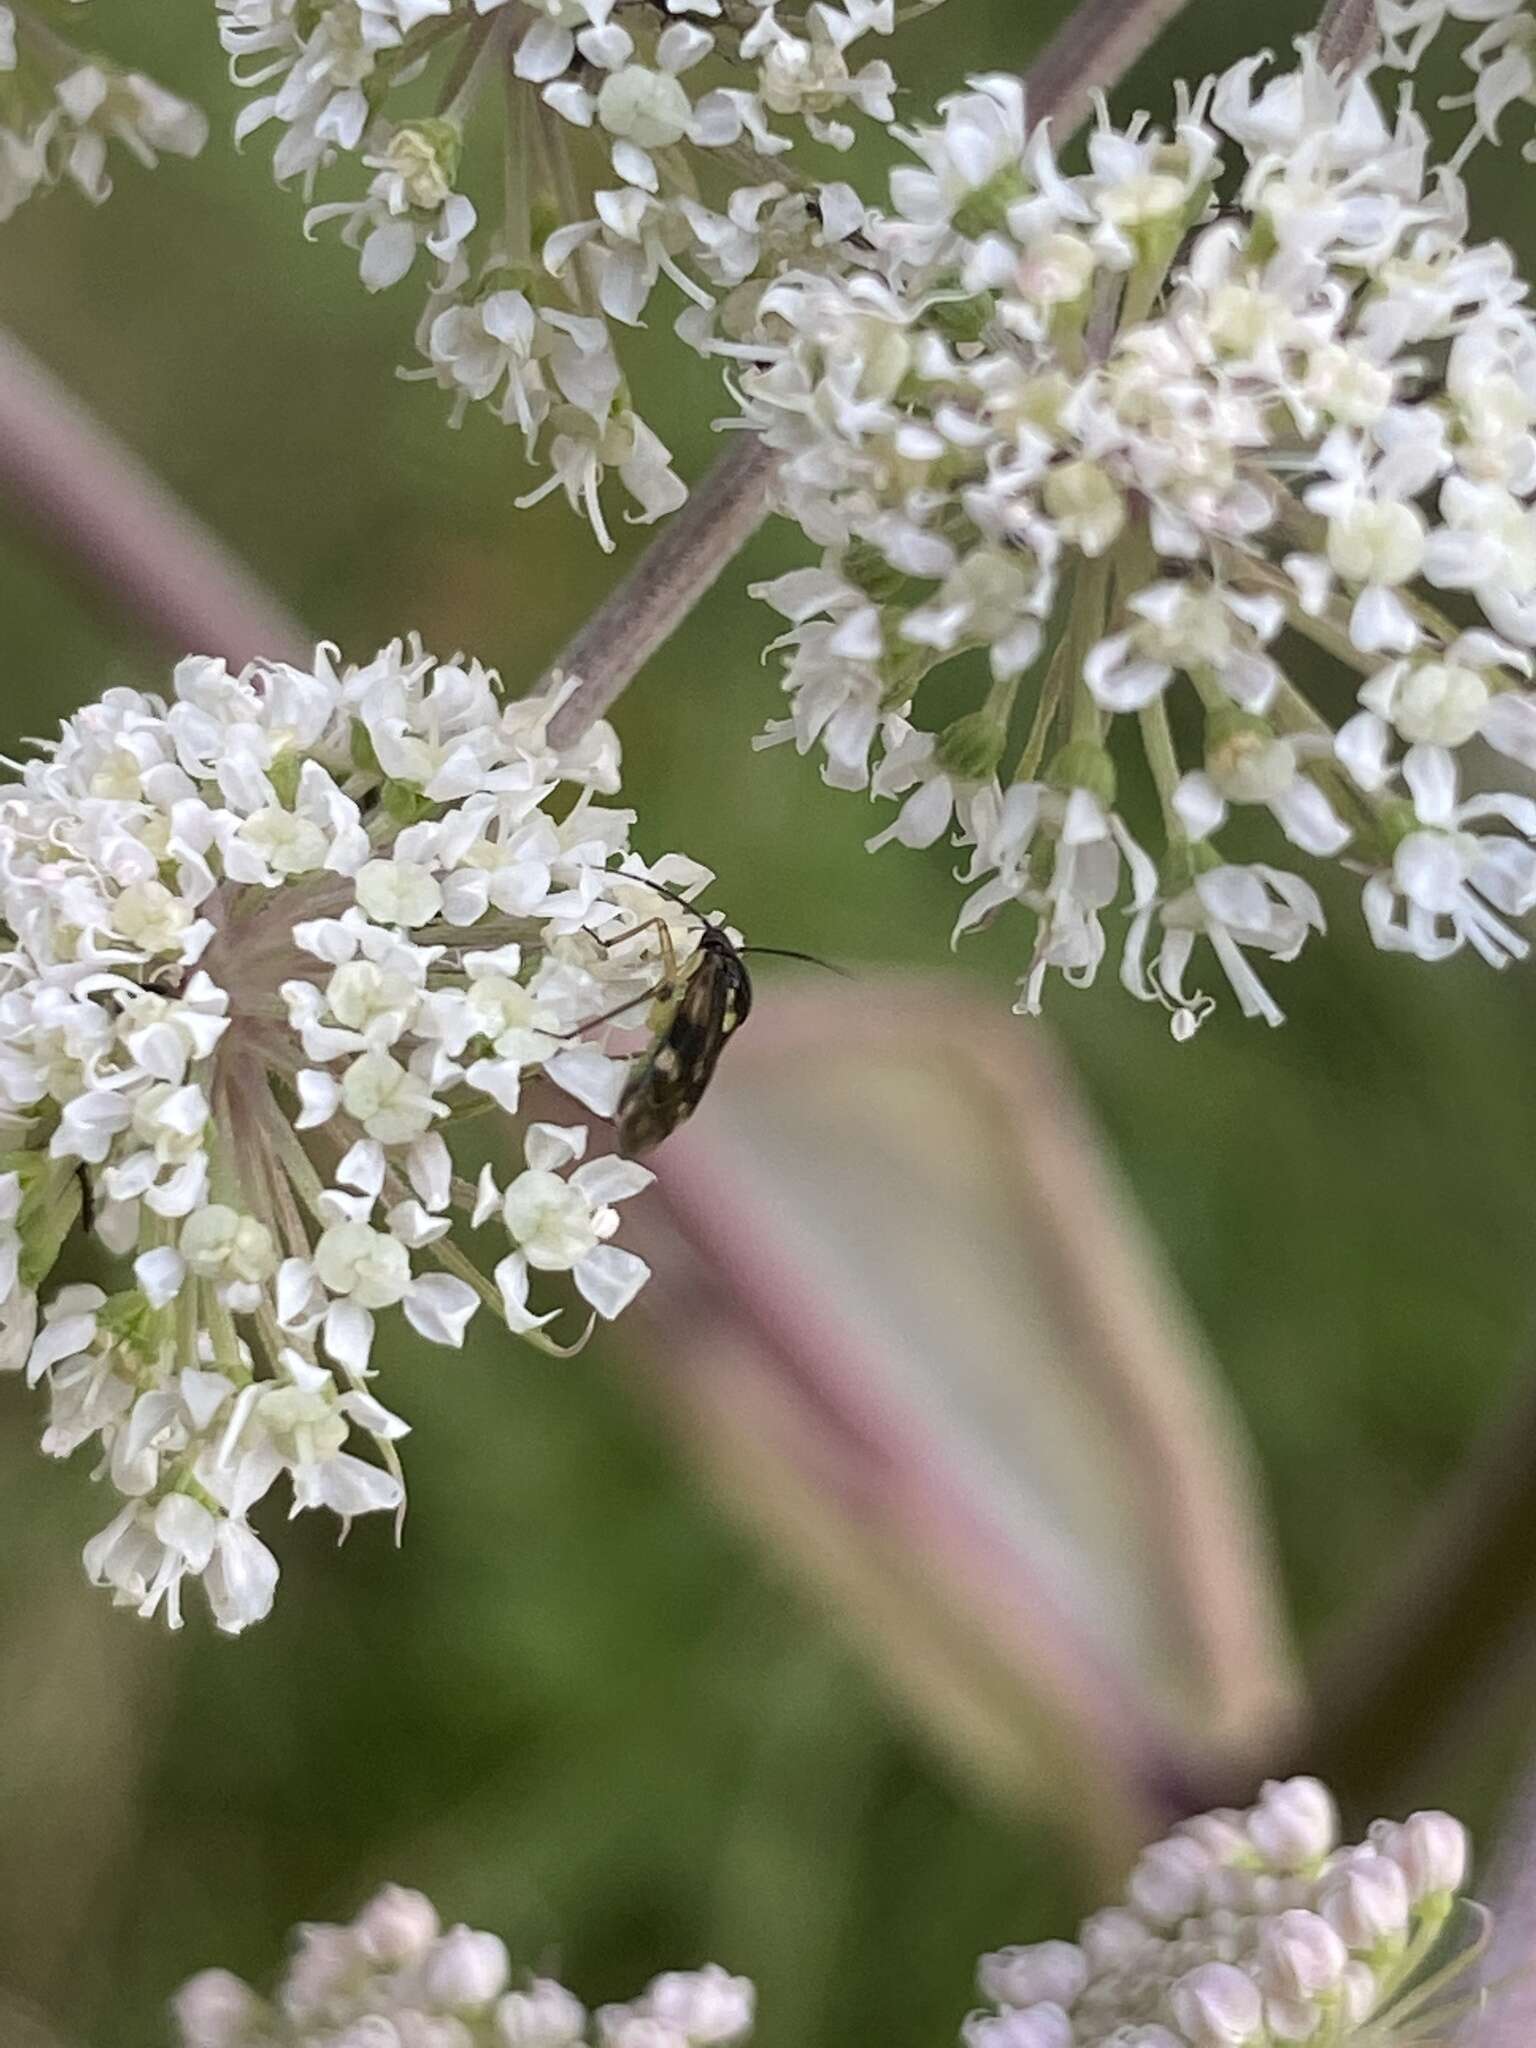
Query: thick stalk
x=720, y=517
x=68, y=483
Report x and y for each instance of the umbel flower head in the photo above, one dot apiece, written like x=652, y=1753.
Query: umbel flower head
x=1250, y=1930
x=273, y=941
x=395, y=1978
x=635, y=144
x=1118, y=441
x=60, y=109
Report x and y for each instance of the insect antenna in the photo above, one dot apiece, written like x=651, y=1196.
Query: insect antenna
x=789, y=953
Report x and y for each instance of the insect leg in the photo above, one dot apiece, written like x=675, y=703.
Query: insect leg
x=662, y=988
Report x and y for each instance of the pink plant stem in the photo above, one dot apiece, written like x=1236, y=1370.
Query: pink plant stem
x=67, y=482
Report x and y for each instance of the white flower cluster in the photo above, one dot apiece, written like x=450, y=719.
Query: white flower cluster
x=395, y=1978
x=1117, y=431
x=608, y=117
x=1248, y=1930
x=59, y=110
x=270, y=942
x=1501, y=55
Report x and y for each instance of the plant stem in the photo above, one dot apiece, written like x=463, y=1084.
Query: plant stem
x=1091, y=52
x=720, y=517
x=69, y=483
x=1346, y=34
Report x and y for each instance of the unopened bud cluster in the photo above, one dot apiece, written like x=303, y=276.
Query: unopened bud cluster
x=1246, y=1930
x=396, y=1978
x=636, y=144
x=273, y=942
x=1090, y=443
x=61, y=107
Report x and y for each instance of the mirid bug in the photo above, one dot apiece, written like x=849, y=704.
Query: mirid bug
x=698, y=1006
x=668, y=1079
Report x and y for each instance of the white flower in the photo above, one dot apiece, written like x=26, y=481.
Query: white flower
x=1223, y=1942
x=1119, y=436
x=251, y=978
x=1449, y=886
x=394, y=1979
x=1236, y=909
x=521, y=310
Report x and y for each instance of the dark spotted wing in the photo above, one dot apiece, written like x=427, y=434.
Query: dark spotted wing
x=668, y=1081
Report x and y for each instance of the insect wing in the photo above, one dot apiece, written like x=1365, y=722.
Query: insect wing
x=670, y=1079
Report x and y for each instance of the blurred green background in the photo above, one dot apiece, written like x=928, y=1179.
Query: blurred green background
x=578, y=1707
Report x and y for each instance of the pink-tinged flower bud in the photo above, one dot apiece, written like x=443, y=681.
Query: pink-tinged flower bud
x=396, y=1925
x=1169, y=1882
x=1111, y=1938
x=1220, y=1835
x=1291, y=2019
x=374, y=2031
x=1430, y=1849
x=1053, y=1970
x=324, y=1959
x=1358, y=1993
x=465, y=1969
x=1365, y=1902
x=1301, y=1956
x=1217, y=2006
x=418, y=2030
x=1294, y=1824
x=1034, y=2026
x=215, y=2010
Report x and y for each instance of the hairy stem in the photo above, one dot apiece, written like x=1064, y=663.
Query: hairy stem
x=1094, y=48
x=68, y=483
x=1346, y=34
x=720, y=517
x=1091, y=52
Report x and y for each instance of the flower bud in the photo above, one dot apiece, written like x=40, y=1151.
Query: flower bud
x=1032, y=2026
x=1301, y=1956
x=1044, y=1970
x=373, y=2030
x=1219, y=1834
x=546, y=2015
x=1358, y=1993
x=215, y=2010
x=1217, y=2006
x=1085, y=503
x=971, y=747
x=1291, y=2019
x=1294, y=1824
x=465, y=1968
x=1365, y=1902
x=396, y=1925
x=1169, y=1881
x=709, y=2005
x=1430, y=1849
x=1112, y=1938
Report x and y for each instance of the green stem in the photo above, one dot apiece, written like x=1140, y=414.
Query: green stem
x=1157, y=741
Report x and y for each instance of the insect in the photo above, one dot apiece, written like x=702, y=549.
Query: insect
x=699, y=1015
x=699, y=1006
x=87, y=1199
